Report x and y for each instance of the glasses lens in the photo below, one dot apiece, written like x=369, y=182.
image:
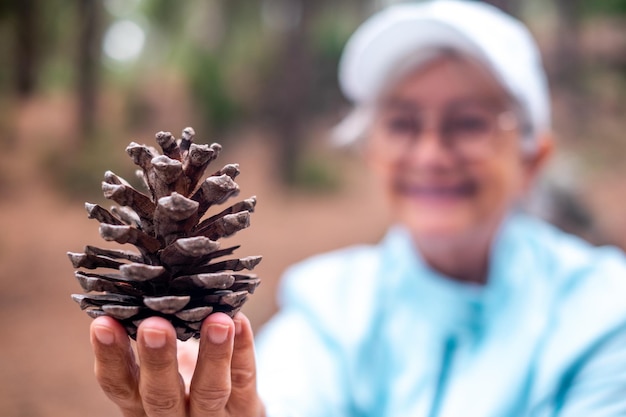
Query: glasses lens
x=398, y=129
x=399, y=125
x=470, y=130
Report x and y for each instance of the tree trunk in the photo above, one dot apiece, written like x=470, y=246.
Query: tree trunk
x=26, y=32
x=89, y=21
x=568, y=57
x=568, y=62
x=290, y=92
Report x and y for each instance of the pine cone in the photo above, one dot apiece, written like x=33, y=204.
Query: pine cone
x=179, y=272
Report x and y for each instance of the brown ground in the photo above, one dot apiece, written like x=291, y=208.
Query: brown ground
x=45, y=357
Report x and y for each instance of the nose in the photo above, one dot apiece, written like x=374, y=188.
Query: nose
x=430, y=150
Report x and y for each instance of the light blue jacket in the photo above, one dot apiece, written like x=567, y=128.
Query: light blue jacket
x=372, y=331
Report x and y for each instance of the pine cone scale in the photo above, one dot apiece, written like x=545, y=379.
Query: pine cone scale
x=121, y=312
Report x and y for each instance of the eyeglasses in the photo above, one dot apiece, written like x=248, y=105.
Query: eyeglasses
x=469, y=130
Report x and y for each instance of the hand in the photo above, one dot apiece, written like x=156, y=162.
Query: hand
x=223, y=382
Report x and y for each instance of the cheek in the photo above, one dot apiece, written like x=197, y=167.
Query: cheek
x=382, y=169
x=383, y=180
x=505, y=176
x=502, y=185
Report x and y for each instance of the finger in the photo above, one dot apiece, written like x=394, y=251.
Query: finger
x=244, y=399
x=160, y=384
x=115, y=367
x=210, y=386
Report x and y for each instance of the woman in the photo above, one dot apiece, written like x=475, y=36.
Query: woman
x=466, y=308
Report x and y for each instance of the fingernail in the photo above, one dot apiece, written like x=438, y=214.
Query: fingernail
x=104, y=335
x=155, y=339
x=218, y=333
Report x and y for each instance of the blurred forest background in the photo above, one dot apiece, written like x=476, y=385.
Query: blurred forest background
x=80, y=79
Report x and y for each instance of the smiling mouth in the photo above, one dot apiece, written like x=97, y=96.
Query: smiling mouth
x=436, y=192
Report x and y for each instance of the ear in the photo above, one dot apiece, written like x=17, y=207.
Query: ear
x=537, y=159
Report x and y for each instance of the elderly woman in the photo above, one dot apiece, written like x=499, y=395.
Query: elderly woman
x=466, y=308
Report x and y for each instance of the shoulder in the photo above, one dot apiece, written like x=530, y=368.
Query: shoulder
x=585, y=289
x=567, y=261
x=589, y=288
x=584, y=280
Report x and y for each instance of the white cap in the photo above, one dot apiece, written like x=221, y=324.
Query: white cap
x=401, y=32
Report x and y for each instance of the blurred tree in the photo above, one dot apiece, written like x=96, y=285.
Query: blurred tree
x=210, y=91
x=568, y=64
x=23, y=18
x=166, y=14
x=568, y=59
x=303, y=85
x=89, y=52
x=331, y=29
x=26, y=42
x=210, y=35
x=290, y=89
x=606, y=7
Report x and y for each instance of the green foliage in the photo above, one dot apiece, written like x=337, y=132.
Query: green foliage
x=208, y=86
x=316, y=174
x=57, y=40
x=329, y=33
x=604, y=7
x=165, y=13
x=332, y=28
